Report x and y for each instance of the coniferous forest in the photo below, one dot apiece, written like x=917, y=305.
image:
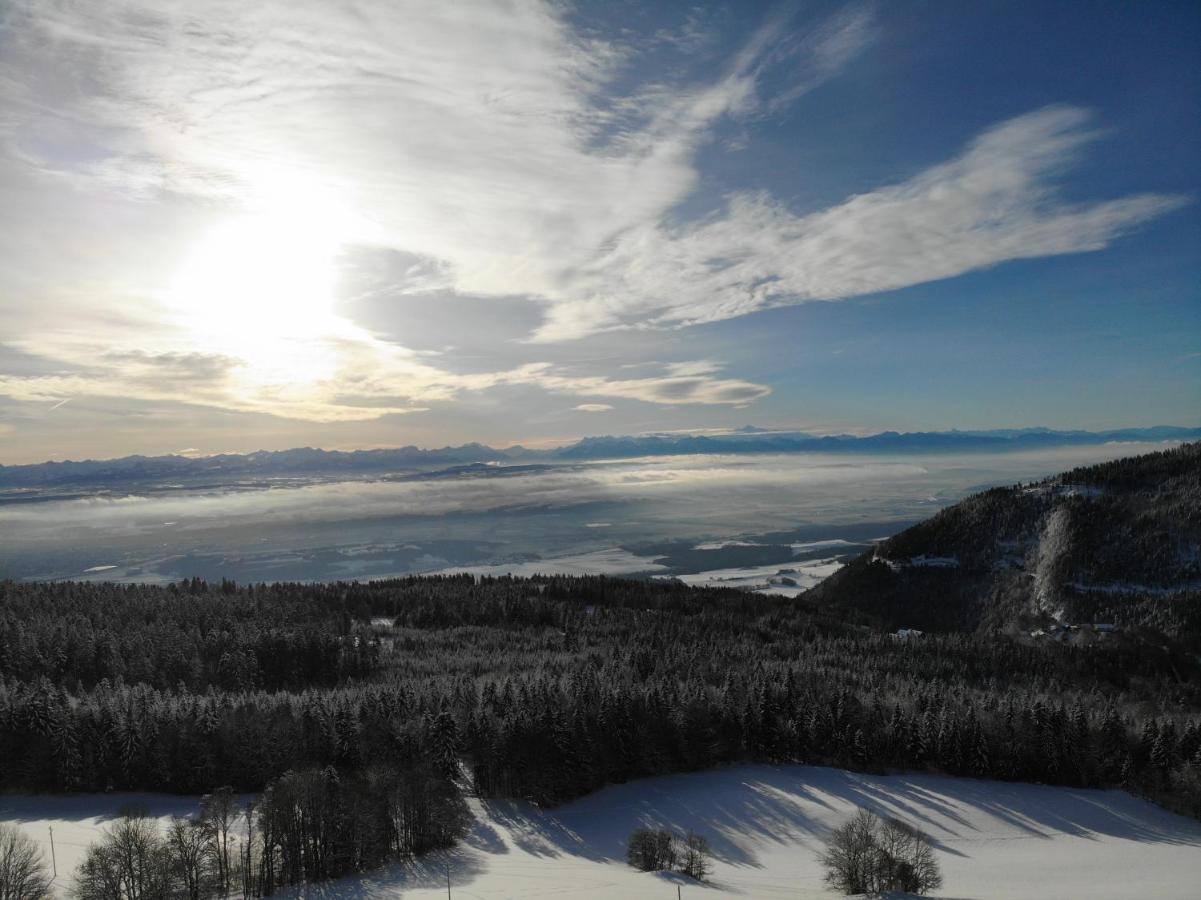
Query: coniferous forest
x=547, y=689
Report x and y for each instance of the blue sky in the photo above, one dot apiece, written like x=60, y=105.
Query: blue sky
x=370, y=224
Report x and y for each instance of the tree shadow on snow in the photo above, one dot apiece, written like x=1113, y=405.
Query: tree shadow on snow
x=797, y=806
x=485, y=838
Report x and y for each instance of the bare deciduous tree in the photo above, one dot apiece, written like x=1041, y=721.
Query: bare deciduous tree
x=695, y=862
x=191, y=846
x=908, y=863
x=131, y=862
x=218, y=811
x=869, y=855
x=650, y=850
x=849, y=855
x=22, y=866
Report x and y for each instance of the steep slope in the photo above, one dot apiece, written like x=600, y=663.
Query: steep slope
x=1117, y=543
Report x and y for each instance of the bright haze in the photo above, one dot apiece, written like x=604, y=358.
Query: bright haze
x=228, y=226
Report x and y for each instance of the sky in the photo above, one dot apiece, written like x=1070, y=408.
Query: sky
x=229, y=226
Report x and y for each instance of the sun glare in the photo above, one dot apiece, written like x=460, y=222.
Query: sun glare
x=261, y=288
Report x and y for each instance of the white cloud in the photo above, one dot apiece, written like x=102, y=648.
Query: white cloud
x=680, y=384
x=594, y=407
x=370, y=379
x=993, y=203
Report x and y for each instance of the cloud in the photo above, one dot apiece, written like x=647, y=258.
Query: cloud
x=489, y=148
x=594, y=407
x=474, y=142
x=993, y=203
x=368, y=379
x=680, y=384
x=480, y=139
x=814, y=56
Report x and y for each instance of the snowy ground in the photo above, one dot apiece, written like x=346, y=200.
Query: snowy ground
x=786, y=580
x=611, y=561
x=766, y=825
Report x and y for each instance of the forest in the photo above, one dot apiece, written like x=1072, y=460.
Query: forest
x=549, y=688
x=1118, y=542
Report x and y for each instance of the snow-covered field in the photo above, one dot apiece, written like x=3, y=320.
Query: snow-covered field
x=611, y=561
x=786, y=580
x=767, y=825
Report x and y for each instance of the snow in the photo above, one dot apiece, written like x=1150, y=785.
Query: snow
x=80, y=819
x=766, y=825
x=722, y=545
x=785, y=581
x=920, y=562
x=797, y=548
x=613, y=561
x=833, y=543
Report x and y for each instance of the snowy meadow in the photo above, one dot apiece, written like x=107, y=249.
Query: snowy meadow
x=766, y=825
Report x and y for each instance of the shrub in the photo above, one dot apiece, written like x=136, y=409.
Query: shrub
x=695, y=861
x=870, y=855
x=660, y=850
x=650, y=850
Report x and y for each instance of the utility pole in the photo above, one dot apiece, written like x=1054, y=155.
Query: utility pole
x=448, y=881
x=53, y=855
x=677, y=892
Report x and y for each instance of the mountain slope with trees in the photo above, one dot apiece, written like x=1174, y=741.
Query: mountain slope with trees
x=1116, y=544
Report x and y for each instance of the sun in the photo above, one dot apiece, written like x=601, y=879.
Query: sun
x=260, y=288
x=259, y=272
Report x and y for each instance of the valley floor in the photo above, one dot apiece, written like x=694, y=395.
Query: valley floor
x=766, y=825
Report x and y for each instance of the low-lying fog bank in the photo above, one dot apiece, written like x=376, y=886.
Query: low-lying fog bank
x=680, y=515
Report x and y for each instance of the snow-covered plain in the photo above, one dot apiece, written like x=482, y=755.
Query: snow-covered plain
x=610, y=561
x=784, y=580
x=767, y=825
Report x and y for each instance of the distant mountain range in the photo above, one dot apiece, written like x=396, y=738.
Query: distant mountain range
x=755, y=440
x=305, y=461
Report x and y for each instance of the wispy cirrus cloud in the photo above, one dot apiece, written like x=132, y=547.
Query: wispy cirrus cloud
x=994, y=202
